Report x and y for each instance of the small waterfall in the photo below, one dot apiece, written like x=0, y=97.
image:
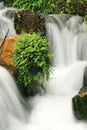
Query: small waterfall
x=11, y=102
x=53, y=110
x=6, y=20
x=68, y=41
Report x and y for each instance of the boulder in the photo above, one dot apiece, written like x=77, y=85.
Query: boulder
x=80, y=100
x=26, y=21
x=6, y=53
x=80, y=104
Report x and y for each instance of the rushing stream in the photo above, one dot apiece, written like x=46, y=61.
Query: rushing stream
x=53, y=110
x=6, y=20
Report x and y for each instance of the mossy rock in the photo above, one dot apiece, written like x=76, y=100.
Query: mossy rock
x=80, y=104
x=26, y=21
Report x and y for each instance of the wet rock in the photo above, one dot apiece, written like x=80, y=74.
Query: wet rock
x=80, y=100
x=6, y=53
x=80, y=104
x=26, y=21
x=41, y=25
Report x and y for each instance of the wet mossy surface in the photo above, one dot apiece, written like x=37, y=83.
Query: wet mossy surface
x=80, y=100
x=80, y=106
x=26, y=21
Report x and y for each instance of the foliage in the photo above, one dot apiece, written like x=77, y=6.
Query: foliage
x=54, y=6
x=39, y=6
x=75, y=7
x=31, y=56
x=7, y=2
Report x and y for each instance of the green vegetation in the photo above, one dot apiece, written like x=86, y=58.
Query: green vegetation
x=31, y=56
x=39, y=6
x=7, y=2
x=54, y=6
x=74, y=7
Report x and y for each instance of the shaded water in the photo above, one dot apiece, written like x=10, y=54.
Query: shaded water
x=53, y=110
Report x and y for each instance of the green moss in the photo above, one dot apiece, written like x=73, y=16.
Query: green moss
x=31, y=56
x=80, y=106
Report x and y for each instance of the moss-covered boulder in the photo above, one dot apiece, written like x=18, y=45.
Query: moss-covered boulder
x=80, y=104
x=80, y=100
x=26, y=21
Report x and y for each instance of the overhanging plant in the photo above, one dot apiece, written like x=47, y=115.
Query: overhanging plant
x=31, y=56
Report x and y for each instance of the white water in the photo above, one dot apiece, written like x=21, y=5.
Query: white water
x=6, y=20
x=53, y=110
x=68, y=40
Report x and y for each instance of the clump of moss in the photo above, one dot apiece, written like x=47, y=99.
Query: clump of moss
x=31, y=56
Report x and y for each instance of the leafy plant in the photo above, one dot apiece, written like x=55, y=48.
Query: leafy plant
x=78, y=7
x=31, y=56
x=32, y=5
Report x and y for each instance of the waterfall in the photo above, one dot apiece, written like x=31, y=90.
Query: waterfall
x=11, y=102
x=6, y=20
x=68, y=39
x=52, y=110
x=68, y=42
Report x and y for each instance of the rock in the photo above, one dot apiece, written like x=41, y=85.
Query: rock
x=80, y=100
x=41, y=25
x=26, y=21
x=6, y=53
x=80, y=104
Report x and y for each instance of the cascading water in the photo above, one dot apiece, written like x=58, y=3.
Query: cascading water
x=68, y=42
x=53, y=110
x=67, y=38
x=11, y=102
x=6, y=20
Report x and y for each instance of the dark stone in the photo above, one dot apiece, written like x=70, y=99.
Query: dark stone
x=41, y=25
x=80, y=100
x=33, y=89
x=26, y=21
x=80, y=104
